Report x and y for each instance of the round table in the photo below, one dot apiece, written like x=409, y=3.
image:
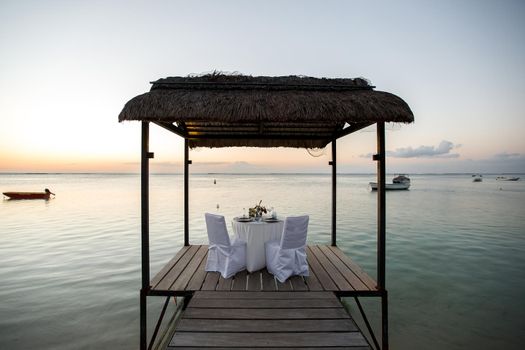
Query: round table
x=255, y=234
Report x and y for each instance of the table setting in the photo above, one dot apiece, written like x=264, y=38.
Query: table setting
x=256, y=229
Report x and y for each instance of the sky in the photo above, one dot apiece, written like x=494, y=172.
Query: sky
x=68, y=67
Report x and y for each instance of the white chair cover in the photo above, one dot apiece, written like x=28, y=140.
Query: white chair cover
x=288, y=257
x=224, y=256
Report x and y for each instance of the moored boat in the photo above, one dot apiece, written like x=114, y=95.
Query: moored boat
x=29, y=195
x=505, y=178
x=400, y=182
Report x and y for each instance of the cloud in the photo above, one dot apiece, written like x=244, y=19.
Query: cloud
x=198, y=163
x=441, y=151
x=505, y=155
x=501, y=163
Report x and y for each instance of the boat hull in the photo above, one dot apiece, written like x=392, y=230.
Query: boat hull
x=391, y=187
x=502, y=178
x=27, y=195
x=477, y=178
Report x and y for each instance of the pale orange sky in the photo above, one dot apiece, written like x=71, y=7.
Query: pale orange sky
x=68, y=69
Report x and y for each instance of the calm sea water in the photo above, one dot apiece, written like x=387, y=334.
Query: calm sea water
x=70, y=267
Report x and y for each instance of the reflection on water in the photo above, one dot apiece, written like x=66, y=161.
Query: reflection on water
x=70, y=266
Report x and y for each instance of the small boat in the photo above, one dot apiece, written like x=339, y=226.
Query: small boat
x=29, y=195
x=505, y=178
x=400, y=182
x=477, y=178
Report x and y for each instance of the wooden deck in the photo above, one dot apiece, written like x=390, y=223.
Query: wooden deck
x=269, y=320
x=330, y=270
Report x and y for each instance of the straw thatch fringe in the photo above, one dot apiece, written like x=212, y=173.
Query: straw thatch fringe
x=258, y=105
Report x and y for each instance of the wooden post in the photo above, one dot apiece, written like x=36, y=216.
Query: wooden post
x=144, y=181
x=187, y=162
x=334, y=192
x=384, y=320
x=381, y=230
x=381, y=205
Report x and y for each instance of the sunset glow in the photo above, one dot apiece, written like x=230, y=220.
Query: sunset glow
x=67, y=71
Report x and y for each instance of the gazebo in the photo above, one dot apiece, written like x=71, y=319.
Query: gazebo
x=219, y=110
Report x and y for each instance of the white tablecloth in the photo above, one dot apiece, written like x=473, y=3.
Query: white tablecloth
x=255, y=234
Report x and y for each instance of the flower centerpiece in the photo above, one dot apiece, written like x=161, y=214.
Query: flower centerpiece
x=257, y=211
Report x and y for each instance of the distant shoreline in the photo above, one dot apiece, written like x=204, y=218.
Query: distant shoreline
x=245, y=174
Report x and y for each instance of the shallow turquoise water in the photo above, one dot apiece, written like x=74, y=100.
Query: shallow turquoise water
x=70, y=267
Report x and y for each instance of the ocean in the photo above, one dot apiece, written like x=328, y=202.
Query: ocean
x=70, y=266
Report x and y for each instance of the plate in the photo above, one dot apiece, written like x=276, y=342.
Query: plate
x=241, y=219
x=271, y=220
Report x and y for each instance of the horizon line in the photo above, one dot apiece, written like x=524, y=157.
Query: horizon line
x=247, y=173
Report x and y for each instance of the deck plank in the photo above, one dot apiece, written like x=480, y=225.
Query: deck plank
x=262, y=295
x=199, y=276
x=274, y=348
x=350, y=276
x=261, y=326
x=211, y=280
x=268, y=281
x=335, y=275
x=177, y=269
x=184, y=278
x=260, y=314
x=296, y=339
x=298, y=283
x=162, y=273
x=254, y=303
x=330, y=270
x=266, y=320
x=284, y=286
x=254, y=281
x=240, y=281
x=322, y=275
x=369, y=281
x=312, y=282
x=224, y=284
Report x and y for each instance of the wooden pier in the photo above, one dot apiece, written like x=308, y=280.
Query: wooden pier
x=269, y=320
x=255, y=310
x=330, y=270
x=219, y=110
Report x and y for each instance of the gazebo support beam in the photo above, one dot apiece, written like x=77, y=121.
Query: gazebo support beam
x=187, y=163
x=381, y=230
x=334, y=192
x=144, y=180
x=352, y=128
x=173, y=128
x=381, y=205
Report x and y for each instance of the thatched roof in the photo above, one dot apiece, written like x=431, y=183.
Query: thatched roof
x=219, y=110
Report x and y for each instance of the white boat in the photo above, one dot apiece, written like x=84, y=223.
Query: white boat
x=400, y=182
x=477, y=178
x=505, y=178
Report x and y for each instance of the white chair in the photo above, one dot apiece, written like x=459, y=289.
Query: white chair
x=223, y=256
x=287, y=257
